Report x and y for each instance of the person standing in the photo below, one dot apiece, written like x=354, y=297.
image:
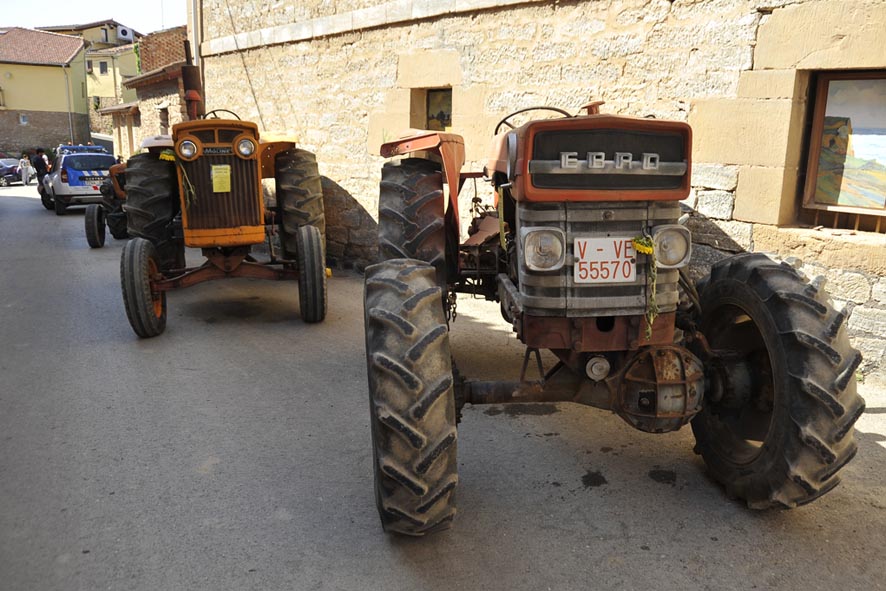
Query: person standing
x=41, y=166
x=24, y=169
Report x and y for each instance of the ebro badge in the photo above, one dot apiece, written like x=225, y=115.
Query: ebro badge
x=221, y=178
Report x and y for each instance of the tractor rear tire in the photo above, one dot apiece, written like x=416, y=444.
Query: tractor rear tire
x=411, y=399
x=299, y=198
x=410, y=212
x=95, y=225
x=145, y=308
x=115, y=217
x=311, y=275
x=117, y=224
x=777, y=421
x=151, y=197
x=152, y=202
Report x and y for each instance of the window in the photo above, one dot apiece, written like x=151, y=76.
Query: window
x=846, y=164
x=164, y=121
x=103, y=68
x=439, y=109
x=89, y=66
x=431, y=108
x=104, y=34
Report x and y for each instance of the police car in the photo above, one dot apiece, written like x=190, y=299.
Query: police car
x=77, y=173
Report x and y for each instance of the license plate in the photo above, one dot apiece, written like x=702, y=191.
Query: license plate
x=92, y=179
x=604, y=260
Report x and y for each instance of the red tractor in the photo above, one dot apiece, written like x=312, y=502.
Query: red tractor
x=585, y=252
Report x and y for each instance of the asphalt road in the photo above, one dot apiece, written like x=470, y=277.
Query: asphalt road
x=233, y=452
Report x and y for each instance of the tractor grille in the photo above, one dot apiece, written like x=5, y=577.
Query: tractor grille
x=550, y=294
x=665, y=168
x=239, y=207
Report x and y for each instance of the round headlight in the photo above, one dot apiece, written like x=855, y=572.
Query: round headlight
x=245, y=147
x=187, y=149
x=672, y=246
x=544, y=250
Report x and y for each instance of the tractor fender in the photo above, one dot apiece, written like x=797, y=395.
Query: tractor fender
x=449, y=146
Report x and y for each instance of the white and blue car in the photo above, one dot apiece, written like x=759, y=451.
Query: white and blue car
x=76, y=175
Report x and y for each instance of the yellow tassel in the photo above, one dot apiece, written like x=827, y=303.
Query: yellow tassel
x=642, y=244
x=167, y=155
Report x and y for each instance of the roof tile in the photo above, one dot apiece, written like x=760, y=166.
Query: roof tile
x=27, y=46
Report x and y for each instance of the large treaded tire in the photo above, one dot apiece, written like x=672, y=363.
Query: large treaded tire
x=299, y=197
x=410, y=213
x=116, y=221
x=152, y=202
x=146, y=311
x=94, y=221
x=777, y=423
x=412, y=407
x=115, y=217
x=311, y=275
x=151, y=197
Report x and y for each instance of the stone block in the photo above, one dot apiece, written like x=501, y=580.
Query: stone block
x=714, y=176
x=398, y=11
x=429, y=69
x=761, y=196
x=384, y=127
x=365, y=18
x=715, y=204
x=741, y=131
x=868, y=320
x=725, y=236
x=863, y=252
x=364, y=237
x=832, y=34
x=768, y=84
x=849, y=286
x=878, y=293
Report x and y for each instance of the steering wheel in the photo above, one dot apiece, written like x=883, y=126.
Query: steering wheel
x=506, y=120
x=213, y=114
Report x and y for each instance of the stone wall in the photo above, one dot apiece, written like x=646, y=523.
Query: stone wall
x=44, y=129
x=152, y=100
x=101, y=123
x=343, y=75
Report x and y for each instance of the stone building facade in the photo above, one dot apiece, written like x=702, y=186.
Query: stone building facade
x=345, y=75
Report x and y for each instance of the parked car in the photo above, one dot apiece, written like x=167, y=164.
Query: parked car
x=9, y=172
x=76, y=176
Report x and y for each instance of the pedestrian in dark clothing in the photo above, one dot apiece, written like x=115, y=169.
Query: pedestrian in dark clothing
x=41, y=166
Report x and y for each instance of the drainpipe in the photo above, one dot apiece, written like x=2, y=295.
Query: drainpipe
x=68, y=97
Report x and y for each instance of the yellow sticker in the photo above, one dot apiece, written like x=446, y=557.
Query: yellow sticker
x=221, y=178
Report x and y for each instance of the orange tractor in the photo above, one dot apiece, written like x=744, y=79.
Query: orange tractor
x=204, y=191
x=585, y=252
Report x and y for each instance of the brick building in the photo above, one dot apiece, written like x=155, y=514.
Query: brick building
x=159, y=92
x=751, y=76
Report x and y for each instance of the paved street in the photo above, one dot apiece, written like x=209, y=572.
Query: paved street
x=233, y=452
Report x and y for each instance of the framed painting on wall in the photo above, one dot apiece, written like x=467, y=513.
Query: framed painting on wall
x=846, y=166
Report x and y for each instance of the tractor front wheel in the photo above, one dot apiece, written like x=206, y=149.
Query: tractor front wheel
x=311, y=274
x=781, y=401
x=95, y=225
x=145, y=307
x=411, y=399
